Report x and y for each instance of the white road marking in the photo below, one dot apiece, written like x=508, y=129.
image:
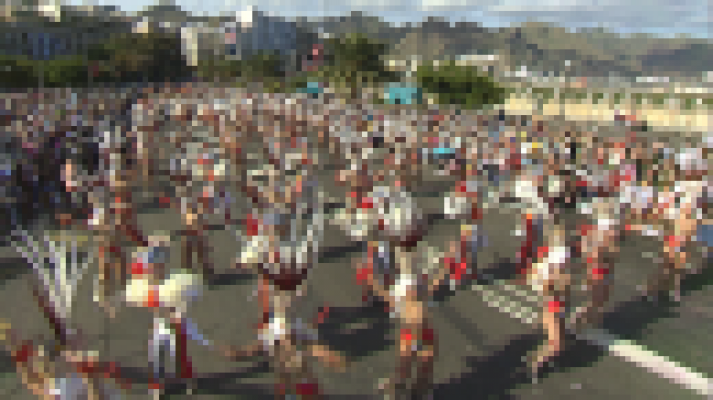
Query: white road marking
x=625, y=349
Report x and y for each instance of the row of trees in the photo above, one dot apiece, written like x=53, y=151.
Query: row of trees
x=152, y=57
x=356, y=61
x=353, y=62
x=260, y=66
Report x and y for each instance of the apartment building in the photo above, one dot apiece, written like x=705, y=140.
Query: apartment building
x=255, y=31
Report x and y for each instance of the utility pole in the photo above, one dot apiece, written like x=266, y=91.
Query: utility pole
x=566, y=82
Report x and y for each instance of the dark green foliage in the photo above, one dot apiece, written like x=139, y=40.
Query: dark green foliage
x=459, y=85
x=65, y=71
x=152, y=57
x=264, y=65
x=17, y=72
x=356, y=62
x=220, y=70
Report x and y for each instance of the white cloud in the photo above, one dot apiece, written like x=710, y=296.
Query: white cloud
x=634, y=15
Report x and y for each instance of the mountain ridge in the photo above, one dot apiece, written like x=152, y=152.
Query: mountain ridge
x=538, y=45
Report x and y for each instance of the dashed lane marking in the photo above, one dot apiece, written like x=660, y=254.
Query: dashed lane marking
x=626, y=349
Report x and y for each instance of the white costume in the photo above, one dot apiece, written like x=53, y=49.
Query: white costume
x=526, y=191
x=398, y=211
x=174, y=294
x=73, y=387
x=542, y=270
x=455, y=206
x=209, y=177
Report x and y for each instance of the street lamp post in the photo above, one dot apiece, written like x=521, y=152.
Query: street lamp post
x=562, y=100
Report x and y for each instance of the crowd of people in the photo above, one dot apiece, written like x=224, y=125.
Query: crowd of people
x=83, y=172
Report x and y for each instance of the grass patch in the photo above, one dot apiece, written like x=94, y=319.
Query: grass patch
x=658, y=99
x=597, y=98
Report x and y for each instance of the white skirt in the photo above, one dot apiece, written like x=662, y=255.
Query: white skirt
x=177, y=291
x=554, y=186
x=543, y=270
x=73, y=387
x=526, y=192
x=69, y=388
x=455, y=207
x=254, y=250
x=402, y=217
x=357, y=225
x=274, y=331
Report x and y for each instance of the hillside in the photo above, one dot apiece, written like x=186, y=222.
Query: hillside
x=539, y=46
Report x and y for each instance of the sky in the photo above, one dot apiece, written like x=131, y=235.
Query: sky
x=662, y=17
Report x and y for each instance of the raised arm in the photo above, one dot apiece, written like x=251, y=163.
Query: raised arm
x=328, y=357
x=368, y=272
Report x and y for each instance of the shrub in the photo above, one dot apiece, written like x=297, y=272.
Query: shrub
x=460, y=85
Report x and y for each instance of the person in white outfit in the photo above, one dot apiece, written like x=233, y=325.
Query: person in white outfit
x=550, y=276
x=168, y=294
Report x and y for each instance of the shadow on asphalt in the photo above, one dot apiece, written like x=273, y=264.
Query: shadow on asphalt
x=150, y=207
x=228, y=279
x=357, y=331
x=503, y=268
x=464, y=324
x=226, y=384
x=6, y=364
x=328, y=254
x=491, y=376
x=501, y=371
x=631, y=318
x=12, y=268
x=215, y=383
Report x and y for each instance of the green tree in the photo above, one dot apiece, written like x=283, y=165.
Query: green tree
x=460, y=85
x=357, y=60
x=264, y=64
x=152, y=57
x=65, y=71
x=17, y=72
x=211, y=69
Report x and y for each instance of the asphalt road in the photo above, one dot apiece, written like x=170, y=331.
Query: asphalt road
x=480, y=344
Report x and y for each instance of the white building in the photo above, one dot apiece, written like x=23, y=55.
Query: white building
x=255, y=31
x=488, y=63
x=199, y=41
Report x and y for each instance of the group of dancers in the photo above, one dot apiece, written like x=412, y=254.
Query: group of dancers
x=619, y=186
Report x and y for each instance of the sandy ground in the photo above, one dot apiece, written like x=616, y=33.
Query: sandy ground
x=665, y=118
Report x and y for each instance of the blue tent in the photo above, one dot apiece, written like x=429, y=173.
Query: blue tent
x=312, y=88
x=403, y=94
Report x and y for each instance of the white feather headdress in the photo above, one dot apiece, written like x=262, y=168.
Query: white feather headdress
x=57, y=264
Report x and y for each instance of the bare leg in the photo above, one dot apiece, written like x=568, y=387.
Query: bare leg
x=204, y=255
x=553, y=330
x=661, y=279
x=424, y=378
x=397, y=387
x=101, y=292
x=187, y=247
x=678, y=274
